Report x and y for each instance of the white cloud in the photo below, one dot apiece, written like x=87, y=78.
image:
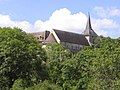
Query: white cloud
x=62, y=19
x=107, y=12
x=109, y=26
x=104, y=23
x=115, y=12
x=104, y=26
x=5, y=21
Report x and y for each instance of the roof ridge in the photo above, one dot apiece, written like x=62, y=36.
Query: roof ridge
x=68, y=32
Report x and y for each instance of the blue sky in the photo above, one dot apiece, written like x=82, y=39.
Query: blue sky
x=69, y=15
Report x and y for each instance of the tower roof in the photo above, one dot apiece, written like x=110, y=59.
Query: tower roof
x=89, y=31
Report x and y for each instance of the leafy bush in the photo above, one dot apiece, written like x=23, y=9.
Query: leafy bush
x=46, y=85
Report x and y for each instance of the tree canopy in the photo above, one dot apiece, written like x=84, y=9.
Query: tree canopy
x=21, y=57
x=24, y=65
x=94, y=68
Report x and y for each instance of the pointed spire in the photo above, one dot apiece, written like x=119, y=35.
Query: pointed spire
x=88, y=26
x=89, y=31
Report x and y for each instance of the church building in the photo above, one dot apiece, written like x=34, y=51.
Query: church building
x=73, y=41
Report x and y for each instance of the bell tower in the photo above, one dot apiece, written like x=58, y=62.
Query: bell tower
x=89, y=33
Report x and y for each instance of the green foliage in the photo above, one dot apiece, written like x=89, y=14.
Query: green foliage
x=22, y=67
x=18, y=85
x=94, y=68
x=46, y=85
x=102, y=65
x=54, y=71
x=56, y=55
x=21, y=56
x=98, y=41
x=57, y=52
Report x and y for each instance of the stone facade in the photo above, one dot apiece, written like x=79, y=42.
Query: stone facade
x=73, y=47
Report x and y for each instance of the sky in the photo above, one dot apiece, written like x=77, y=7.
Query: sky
x=68, y=15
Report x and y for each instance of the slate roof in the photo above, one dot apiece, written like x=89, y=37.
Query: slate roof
x=70, y=37
x=89, y=31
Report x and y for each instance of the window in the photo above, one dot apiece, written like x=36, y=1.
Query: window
x=41, y=37
x=71, y=47
x=76, y=47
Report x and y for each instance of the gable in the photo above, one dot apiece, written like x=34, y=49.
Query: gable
x=50, y=39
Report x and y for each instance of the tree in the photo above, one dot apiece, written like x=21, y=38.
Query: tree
x=45, y=85
x=21, y=57
x=100, y=66
x=94, y=68
x=56, y=55
x=57, y=52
